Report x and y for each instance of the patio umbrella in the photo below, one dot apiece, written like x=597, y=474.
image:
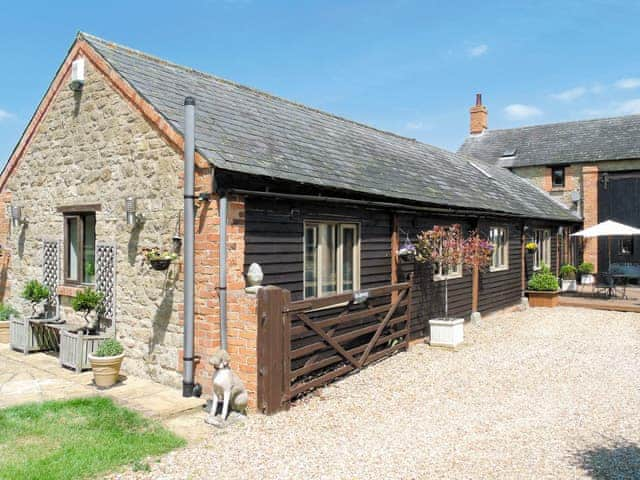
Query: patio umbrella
x=608, y=229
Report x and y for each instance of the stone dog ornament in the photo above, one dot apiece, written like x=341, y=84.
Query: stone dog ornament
x=228, y=388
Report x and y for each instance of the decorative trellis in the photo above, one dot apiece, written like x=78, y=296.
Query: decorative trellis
x=51, y=266
x=106, y=279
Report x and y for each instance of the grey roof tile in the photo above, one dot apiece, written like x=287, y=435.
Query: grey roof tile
x=614, y=138
x=244, y=130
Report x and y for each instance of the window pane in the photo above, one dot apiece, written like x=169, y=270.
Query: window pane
x=89, y=247
x=310, y=262
x=558, y=177
x=348, y=247
x=72, y=249
x=327, y=250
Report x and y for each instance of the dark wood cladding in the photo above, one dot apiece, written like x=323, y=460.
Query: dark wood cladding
x=274, y=239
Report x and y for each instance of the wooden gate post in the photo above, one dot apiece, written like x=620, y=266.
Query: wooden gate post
x=271, y=349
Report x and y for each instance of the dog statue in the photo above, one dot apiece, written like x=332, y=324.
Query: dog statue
x=227, y=387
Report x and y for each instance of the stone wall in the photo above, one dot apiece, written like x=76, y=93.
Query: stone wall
x=95, y=148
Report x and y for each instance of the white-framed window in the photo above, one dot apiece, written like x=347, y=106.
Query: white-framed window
x=542, y=239
x=499, y=238
x=331, y=258
x=440, y=272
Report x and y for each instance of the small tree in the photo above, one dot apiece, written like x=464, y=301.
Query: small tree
x=87, y=301
x=35, y=293
x=442, y=247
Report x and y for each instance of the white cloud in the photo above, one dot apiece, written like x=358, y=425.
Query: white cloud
x=570, y=95
x=478, y=50
x=628, y=83
x=517, y=111
x=4, y=115
x=630, y=107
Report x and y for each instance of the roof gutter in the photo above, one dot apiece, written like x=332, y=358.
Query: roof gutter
x=377, y=204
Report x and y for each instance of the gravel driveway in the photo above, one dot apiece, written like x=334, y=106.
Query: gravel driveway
x=535, y=394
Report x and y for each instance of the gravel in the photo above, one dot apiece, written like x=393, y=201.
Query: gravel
x=536, y=394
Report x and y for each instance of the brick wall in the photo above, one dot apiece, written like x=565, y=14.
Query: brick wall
x=590, y=210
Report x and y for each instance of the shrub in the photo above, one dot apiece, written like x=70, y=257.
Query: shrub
x=87, y=301
x=6, y=311
x=543, y=282
x=586, y=268
x=35, y=292
x=110, y=348
x=568, y=272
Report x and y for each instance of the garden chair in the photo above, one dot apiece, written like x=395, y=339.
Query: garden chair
x=604, y=282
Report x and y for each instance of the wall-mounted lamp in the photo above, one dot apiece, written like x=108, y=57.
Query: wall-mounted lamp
x=176, y=242
x=130, y=208
x=77, y=75
x=16, y=216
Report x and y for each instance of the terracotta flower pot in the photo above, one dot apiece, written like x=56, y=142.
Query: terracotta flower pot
x=106, y=369
x=4, y=332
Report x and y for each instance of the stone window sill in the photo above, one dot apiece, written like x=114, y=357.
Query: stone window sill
x=70, y=290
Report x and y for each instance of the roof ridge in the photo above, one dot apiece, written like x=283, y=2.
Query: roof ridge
x=155, y=58
x=553, y=124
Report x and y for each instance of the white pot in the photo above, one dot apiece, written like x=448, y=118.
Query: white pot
x=446, y=332
x=586, y=279
x=569, y=286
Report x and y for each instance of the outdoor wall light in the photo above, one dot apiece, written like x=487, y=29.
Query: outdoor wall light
x=176, y=241
x=133, y=218
x=16, y=216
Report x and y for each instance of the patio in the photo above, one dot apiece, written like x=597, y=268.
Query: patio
x=535, y=394
x=585, y=298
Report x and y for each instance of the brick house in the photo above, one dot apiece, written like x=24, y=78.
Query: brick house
x=320, y=202
x=591, y=166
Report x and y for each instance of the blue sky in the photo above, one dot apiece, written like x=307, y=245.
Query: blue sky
x=411, y=67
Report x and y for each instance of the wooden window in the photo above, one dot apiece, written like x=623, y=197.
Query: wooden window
x=79, y=248
x=331, y=258
x=499, y=237
x=557, y=177
x=440, y=272
x=542, y=239
x=625, y=246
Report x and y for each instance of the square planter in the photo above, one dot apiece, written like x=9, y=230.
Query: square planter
x=569, y=286
x=32, y=335
x=543, y=299
x=587, y=279
x=446, y=332
x=75, y=348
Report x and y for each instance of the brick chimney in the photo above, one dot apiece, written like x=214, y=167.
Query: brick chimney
x=478, y=116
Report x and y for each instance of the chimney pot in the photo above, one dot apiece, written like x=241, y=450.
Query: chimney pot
x=478, y=116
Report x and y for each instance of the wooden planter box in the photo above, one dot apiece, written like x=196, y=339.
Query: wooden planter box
x=543, y=299
x=4, y=332
x=75, y=348
x=32, y=335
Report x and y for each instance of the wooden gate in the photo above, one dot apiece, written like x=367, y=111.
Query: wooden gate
x=306, y=344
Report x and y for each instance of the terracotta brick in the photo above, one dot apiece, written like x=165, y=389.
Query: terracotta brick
x=590, y=210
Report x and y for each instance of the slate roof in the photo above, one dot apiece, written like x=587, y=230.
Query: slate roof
x=244, y=130
x=614, y=138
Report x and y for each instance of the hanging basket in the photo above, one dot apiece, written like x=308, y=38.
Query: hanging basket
x=160, y=263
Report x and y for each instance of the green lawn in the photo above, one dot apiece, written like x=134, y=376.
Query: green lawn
x=76, y=439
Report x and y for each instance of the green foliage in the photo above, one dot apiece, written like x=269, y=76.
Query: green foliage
x=568, y=272
x=6, y=312
x=110, y=348
x=35, y=292
x=544, y=281
x=544, y=268
x=86, y=300
x=586, y=268
x=81, y=438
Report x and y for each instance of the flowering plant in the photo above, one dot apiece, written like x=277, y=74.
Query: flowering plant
x=531, y=246
x=476, y=251
x=152, y=254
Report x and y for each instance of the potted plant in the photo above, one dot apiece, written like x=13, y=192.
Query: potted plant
x=88, y=301
x=5, y=314
x=106, y=362
x=543, y=288
x=159, y=260
x=443, y=246
x=586, y=273
x=568, y=276
x=36, y=293
x=531, y=247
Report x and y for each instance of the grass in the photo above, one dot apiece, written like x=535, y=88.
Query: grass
x=76, y=439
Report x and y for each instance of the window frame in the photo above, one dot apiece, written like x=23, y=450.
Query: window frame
x=438, y=276
x=505, y=246
x=564, y=177
x=542, y=238
x=80, y=218
x=340, y=227
x=621, y=244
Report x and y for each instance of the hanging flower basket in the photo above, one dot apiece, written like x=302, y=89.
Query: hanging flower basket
x=159, y=260
x=531, y=247
x=160, y=263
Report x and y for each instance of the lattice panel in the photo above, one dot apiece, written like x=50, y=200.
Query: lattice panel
x=51, y=264
x=106, y=278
